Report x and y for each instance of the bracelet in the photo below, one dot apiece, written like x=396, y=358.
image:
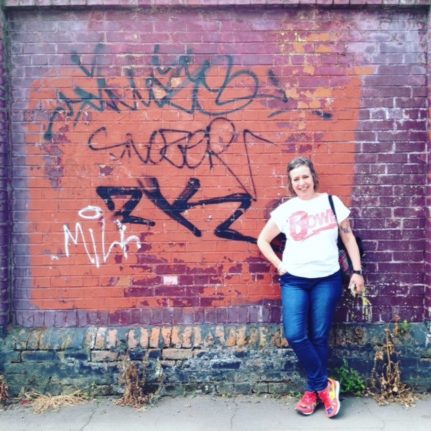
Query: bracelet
x=357, y=271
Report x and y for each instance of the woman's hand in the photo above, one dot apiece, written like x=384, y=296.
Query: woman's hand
x=268, y=233
x=357, y=284
x=281, y=269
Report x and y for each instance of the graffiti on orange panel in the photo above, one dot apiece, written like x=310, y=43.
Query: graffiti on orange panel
x=148, y=189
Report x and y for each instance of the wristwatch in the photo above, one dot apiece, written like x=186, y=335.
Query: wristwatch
x=357, y=271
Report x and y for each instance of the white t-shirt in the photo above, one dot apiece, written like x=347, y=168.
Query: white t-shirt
x=311, y=235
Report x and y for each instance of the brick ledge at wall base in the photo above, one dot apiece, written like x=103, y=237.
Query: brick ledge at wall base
x=230, y=359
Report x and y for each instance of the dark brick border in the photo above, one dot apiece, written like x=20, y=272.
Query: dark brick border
x=4, y=207
x=427, y=266
x=206, y=3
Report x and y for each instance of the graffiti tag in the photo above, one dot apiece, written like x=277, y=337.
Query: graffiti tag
x=182, y=85
x=96, y=256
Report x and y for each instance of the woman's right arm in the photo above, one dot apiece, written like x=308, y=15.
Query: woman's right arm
x=268, y=233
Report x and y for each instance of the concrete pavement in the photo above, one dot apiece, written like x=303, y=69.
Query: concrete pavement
x=207, y=413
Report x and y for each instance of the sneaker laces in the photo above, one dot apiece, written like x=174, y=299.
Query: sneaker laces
x=308, y=398
x=325, y=397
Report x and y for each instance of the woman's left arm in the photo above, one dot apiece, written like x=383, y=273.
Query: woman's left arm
x=352, y=248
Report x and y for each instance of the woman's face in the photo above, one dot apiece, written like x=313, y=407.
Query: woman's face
x=302, y=182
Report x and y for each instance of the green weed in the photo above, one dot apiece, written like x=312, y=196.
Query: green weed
x=351, y=382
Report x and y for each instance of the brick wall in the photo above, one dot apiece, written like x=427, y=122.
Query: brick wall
x=149, y=145
x=4, y=153
x=428, y=188
x=391, y=168
x=219, y=359
x=107, y=114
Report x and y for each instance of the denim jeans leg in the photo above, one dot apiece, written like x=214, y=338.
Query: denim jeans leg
x=324, y=297
x=308, y=307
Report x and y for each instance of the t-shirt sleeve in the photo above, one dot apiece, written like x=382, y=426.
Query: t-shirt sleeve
x=342, y=211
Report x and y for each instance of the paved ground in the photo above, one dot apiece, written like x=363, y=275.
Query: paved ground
x=206, y=413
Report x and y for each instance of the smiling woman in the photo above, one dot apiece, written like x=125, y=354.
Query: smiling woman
x=310, y=277
x=302, y=177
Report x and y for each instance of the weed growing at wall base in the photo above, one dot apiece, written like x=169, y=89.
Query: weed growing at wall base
x=4, y=391
x=386, y=385
x=134, y=382
x=350, y=380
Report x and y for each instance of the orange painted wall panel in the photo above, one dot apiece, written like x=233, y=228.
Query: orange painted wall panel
x=150, y=167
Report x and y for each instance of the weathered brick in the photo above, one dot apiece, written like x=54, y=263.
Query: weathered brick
x=132, y=339
x=219, y=334
x=154, y=340
x=177, y=354
x=100, y=338
x=111, y=339
x=197, y=336
x=104, y=356
x=38, y=356
x=166, y=333
x=234, y=365
x=144, y=338
x=263, y=337
x=230, y=337
x=187, y=337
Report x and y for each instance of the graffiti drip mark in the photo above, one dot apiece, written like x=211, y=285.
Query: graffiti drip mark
x=181, y=85
x=150, y=187
x=186, y=149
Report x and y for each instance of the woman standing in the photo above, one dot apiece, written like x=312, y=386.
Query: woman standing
x=310, y=276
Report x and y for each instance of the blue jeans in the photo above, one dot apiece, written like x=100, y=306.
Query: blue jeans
x=308, y=310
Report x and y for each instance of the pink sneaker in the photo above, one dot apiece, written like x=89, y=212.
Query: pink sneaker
x=307, y=404
x=330, y=398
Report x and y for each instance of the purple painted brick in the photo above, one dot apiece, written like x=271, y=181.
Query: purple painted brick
x=198, y=315
x=178, y=317
x=210, y=315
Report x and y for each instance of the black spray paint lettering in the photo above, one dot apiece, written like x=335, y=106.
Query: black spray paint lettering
x=185, y=87
x=149, y=186
x=186, y=149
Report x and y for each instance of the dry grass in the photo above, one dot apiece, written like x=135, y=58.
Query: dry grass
x=386, y=385
x=133, y=381
x=41, y=403
x=4, y=391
